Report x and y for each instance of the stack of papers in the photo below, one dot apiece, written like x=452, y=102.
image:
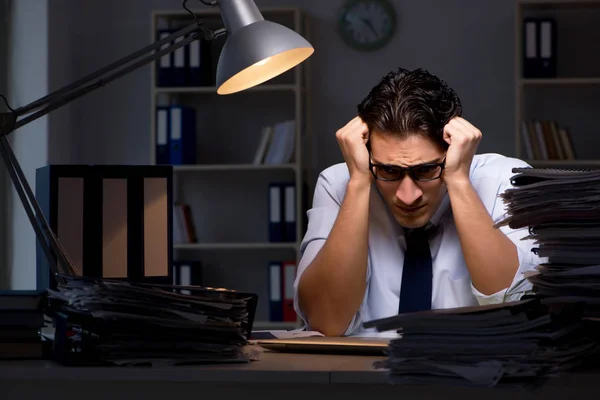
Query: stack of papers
x=552, y=196
x=552, y=329
x=562, y=210
x=510, y=344
x=120, y=323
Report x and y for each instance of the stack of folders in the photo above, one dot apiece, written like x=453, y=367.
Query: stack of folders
x=21, y=319
x=516, y=344
x=100, y=322
x=282, y=211
x=562, y=210
x=554, y=328
x=540, y=47
x=190, y=65
x=175, y=135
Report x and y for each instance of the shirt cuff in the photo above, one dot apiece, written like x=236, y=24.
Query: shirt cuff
x=520, y=284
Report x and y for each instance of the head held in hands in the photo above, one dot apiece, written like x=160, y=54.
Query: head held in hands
x=406, y=114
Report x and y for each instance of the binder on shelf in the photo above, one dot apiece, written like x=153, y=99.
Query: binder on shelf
x=187, y=273
x=289, y=221
x=164, y=66
x=530, y=48
x=282, y=212
x=289, y=276
x=275, y=212
x=182, y=135
x=275, y=292
x=180, y=57
x=539, y=48
x=547, y=60
x=162, y=135
x=198, y=65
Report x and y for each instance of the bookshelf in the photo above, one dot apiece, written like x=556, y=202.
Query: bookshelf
x=226, y=191
x=566, y=100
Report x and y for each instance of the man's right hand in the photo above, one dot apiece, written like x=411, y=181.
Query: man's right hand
x=352, y=139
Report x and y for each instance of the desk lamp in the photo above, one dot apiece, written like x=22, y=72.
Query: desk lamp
x=255, y=51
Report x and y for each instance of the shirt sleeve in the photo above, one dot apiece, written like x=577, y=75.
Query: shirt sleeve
x=327, y=199
x=528, y=261
x=321, y=217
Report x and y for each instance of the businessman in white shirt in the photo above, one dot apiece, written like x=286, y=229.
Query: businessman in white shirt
x=406, y=222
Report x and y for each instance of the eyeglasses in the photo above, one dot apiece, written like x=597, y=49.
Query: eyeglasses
x=422, y=172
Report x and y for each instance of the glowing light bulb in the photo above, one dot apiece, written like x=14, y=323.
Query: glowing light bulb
x=263, y=62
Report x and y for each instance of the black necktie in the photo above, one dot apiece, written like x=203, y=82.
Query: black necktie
x=417, y=275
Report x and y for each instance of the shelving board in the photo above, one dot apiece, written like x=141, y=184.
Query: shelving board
x=564, y=163
x=558, y=3
x=560, y=81
x=232, y=167
x=236, y=246
x=265, y=87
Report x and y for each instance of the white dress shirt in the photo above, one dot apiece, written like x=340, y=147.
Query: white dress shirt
x=490, y=175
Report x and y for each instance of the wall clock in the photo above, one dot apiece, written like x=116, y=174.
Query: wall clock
x=367, y=25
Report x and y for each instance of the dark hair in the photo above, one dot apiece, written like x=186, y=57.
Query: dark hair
x=406, y=102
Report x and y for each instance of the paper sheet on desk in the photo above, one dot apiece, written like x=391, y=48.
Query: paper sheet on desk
x=282, y=334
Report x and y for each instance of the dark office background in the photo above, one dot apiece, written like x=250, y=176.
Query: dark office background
x=468, y=43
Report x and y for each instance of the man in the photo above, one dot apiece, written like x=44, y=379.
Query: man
x=406, y=223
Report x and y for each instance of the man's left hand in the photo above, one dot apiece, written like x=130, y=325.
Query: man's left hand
x=463, y=139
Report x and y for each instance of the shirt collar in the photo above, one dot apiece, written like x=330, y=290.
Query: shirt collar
x=444, y=206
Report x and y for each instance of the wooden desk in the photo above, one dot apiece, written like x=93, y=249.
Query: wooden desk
x=274, y=376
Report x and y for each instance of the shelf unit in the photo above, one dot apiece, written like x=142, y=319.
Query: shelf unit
x=232, y=167
x=228, y=193
x=536, y=98
x=233, y=246
x=266, y=87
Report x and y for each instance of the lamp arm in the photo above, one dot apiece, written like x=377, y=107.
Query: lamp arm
x=60, y=264
x=57, y=257
x=10, y=121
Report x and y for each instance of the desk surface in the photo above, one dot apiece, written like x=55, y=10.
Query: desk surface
x=271, y=367
x=300, y=371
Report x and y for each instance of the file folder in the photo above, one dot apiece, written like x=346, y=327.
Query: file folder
x=289, y=276
x=162, y=135
x=187, y=273
x=179, y=64
x=539, y=47
x=275, y=292
x=547, y=60
x=275, y=212
x=164, y=65
x=199, y=64
x=530, y=48
x=289, y=223
x=183, y=135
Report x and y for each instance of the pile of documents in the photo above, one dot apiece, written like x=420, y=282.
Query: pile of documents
x=21, y=319
x=562, y=210
x=121, y=323
x=550, y=330
x=511, y=344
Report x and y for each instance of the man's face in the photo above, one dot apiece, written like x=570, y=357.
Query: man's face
x=412, y=203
